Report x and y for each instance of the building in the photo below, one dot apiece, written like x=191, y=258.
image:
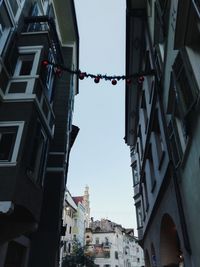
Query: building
x=36, y=131
x=81, y=218
x=162, y=127
x=112, y=245
x=75, y=220
x=69, y=211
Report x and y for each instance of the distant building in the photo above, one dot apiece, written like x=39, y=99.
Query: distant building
x=69, y=211
x=112, y=245
x=75, y=217
x=79, y=220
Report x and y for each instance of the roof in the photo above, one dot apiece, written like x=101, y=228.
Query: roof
x=78, y=199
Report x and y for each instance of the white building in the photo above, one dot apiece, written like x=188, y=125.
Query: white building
x=79, y=220
x=69, y=211
x=112, y=245
x=75, y=219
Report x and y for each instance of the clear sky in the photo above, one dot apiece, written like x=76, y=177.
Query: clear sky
x=100, y=158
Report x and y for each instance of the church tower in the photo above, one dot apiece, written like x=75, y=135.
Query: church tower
x=86, y=203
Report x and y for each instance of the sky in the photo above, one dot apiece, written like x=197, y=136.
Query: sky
x=99, y=157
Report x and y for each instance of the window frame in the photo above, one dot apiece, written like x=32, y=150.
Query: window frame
x=19, y=131
x=139, y=217
x=8, y=21
x=27, y=50
x=20, y=4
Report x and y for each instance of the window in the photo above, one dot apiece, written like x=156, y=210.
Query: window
x=161, y=21
x=160, y=33
x=175, y=143
x=116, y=255
x=145, y=193
x=5, y=24
x=106, y=241
x=70, y=230
x=140, y=141
x=184, y=85
x=7, y=141
x=151, y=170
x=144, y=109
x=10, y=137
x=36, y=26
x=158, y=138
x=16, y=7
x=16, y=254
x=69, y=248
x=135, y=173
x=97, y=240
x=49, y=75
x=139, y=214
x=24, y=64
x=27, y=61
x=38, y=155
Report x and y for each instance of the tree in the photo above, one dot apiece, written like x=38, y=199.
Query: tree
x=78, y=257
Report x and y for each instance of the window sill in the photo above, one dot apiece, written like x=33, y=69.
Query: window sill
x=7, y=164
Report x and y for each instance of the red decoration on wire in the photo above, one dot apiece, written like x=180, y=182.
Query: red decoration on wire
x=114, y=82
x=128, y=81
x=58, y=72
x=139, y=76
x=45, y=63
x=97, y=79
x=81, y=75
x=141, y=79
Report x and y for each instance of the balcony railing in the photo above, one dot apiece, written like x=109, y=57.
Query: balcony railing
x=45, y=23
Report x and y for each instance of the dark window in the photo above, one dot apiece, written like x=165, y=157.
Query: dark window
x=5, y=21
x=69, y=248
x=185, y=86
x=7, y=141
x=70, y=229
x=151, y=168
x=158, y=138
x=135, y=173
x=161, y=20
x=144, y=108
x=140, y=142
x=116, y=255
x=139, y=214
x=26, y=64
x=14, y=6
x=15, y=255
x=38, y=155
x=145, y=193
x=175, y=143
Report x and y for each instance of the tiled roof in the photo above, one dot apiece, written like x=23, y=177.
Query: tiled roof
x=78, y=199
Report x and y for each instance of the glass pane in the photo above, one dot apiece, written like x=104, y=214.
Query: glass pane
x=14, y=6
x=26, y=62
x=6, y=145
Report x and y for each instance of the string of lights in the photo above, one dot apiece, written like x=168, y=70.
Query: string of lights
x=137, y=77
